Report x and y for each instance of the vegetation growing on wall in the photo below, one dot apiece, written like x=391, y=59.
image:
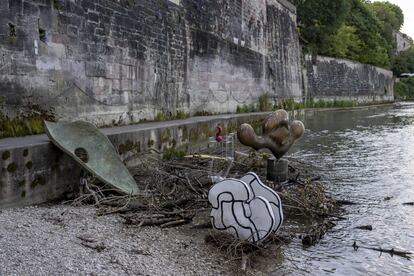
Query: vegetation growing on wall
x=264, y=104
x=163, y=116
x=24, y=123
x=330, y=104
x=12, y=33
x=290, y=104
x=20, y=126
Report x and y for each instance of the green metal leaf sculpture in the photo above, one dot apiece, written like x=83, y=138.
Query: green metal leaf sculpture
x=94, y=152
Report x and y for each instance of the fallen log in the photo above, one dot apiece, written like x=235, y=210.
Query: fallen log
x=206, y=225
x=175, y=223
x=392, y=251
x=345, y=202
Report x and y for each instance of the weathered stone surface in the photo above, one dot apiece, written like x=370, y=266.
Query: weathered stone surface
x=402, y=42
x=339, y=79
x=121, y=61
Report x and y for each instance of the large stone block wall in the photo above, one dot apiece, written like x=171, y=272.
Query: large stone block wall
x=330, y=79
x=122, y=61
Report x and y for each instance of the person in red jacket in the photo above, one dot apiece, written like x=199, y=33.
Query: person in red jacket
x=218, y=135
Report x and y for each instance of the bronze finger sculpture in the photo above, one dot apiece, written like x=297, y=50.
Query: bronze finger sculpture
x=278, y=134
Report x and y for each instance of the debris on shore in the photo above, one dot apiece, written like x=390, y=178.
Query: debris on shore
x=173, y=192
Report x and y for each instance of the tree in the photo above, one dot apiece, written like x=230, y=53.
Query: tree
x=404, y=62
x=318, y=19
x=344, y=43
x=353, y=29
x=388, y=14
x=371, y=47
x=390, y=17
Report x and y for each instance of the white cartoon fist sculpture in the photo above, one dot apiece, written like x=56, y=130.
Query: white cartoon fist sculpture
x=245, y=208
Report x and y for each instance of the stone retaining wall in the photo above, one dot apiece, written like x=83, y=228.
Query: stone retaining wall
x=117, y=62
x=339, y=79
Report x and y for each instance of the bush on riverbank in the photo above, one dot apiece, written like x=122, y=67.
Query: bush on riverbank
x=404, y=89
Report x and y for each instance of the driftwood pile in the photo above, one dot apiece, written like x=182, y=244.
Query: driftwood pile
x=174, y=192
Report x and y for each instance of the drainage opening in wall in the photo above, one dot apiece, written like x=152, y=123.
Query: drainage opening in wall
x=12, y=31
x=42, y=35
x=82, y=154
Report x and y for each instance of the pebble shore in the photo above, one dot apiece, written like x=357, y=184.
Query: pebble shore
x=65, y=240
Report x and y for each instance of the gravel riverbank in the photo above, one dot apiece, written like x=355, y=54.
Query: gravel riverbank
x=79, y=239
x=42, y=241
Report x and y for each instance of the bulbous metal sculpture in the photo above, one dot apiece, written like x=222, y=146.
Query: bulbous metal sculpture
x=278, y=134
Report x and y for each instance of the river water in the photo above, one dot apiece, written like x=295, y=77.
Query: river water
x=364, y=155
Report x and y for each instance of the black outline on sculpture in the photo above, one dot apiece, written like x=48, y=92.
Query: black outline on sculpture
x=278, y=204
x=217, y=204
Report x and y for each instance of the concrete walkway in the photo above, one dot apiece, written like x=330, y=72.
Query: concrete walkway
x=14, y=142
x=34, y=171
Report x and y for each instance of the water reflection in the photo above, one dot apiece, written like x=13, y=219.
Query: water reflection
x=368, y=156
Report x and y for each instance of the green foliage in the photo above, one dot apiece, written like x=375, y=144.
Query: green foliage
x=404, y=89
x=404, y=62
x=360, y=37
x=29, y=122
x=331, y=104
x=390, y=17
x=353, y=29
x=345, y=43
x=179, y=115
x=173, y=153
x=318, y=19
x=21, y=125
x=264, y=104
x=289, y=104
x=203, y=113
x=247, y=108
x=373, y=48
